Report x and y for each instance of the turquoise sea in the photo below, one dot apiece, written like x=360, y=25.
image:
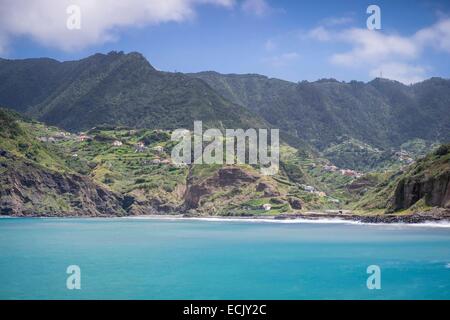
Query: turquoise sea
x=126, y=258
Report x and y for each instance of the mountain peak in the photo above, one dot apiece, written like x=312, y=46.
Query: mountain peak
x=133, y=56
x=139, y=57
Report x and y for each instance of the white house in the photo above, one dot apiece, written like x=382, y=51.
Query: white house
x=140, y=147
x=117, y=143
x=83, y=137
x=266, y=206
x=159, y=149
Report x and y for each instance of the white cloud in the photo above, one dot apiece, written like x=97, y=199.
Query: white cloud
x=45, y=20
x=378, y=51
x=256, y=7
x=438, y=35
x=372, y=46
x=402, y=72
x=282, y=60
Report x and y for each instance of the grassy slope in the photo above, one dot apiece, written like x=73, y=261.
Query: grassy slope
x=18, y=138
x=35, y=179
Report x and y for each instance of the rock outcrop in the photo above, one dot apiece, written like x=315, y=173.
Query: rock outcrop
x=434, y=190
x=428, y=180
x=27, y=189
x=295, y=203
x=226, y=177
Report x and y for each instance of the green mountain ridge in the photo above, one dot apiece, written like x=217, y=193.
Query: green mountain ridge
x=124, y=89
x=382, y=113
x=114, y=89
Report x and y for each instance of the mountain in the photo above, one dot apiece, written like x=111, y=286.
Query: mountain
x=114, y=89
x=382, y=113
x=356, y=125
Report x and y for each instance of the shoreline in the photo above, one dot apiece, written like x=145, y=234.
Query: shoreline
x=436, y=218
x=314, y=218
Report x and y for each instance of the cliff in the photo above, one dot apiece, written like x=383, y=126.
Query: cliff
x=419, y=187
x=428, y=181
x=30, y=190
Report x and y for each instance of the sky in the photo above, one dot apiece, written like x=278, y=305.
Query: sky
x=290, y=40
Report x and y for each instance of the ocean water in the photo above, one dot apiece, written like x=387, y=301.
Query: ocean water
x=194, y=259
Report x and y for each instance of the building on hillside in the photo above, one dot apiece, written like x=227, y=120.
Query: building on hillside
x=83, y=137
x=159, y=149
x=330, y=168
x=350, y=173
x=140, y=147
x=266, y=206
x=309, y=188
x=117, y=143
x=321, y=194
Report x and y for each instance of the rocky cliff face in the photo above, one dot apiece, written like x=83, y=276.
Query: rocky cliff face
x=225, y=189
x=29, y=190
x=417, y=188
x=429, y=180
x=223, y=178
x=434, y=190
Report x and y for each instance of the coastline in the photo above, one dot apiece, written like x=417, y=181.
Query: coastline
x=316, y=217
x=435, y=216
x=442, y=219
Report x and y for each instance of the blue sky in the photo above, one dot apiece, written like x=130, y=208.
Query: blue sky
x=292, y=40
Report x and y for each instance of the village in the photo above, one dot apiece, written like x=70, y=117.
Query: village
x=161, y=158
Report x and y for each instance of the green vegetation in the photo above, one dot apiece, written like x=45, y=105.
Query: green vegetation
x=116, y=89
x=355, y=125
x=136, y=165
x=343, y=145
x=382, y=113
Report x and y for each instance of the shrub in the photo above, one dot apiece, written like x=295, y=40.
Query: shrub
x=443, y=150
